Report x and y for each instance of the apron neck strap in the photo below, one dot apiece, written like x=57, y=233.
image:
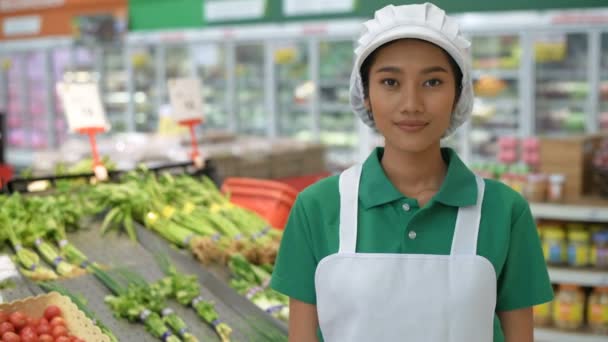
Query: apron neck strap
x=349, y=208
x=467, y=225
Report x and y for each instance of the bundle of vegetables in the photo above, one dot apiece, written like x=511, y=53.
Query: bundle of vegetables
x=126, y=202
x=252, y=282
x=11, y=216
x=186, y=290
x=64, y=211
x=201, y=204
x=154, y=299
x=82, y=306
x=33, y=231
x=127, y=304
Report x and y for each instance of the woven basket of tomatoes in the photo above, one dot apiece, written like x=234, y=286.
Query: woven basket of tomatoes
x=50, y=317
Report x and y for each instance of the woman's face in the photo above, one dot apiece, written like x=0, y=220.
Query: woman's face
x=412, y=94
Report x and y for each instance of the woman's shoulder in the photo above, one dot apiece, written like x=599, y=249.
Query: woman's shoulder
x=322, y=192
x=501, y=196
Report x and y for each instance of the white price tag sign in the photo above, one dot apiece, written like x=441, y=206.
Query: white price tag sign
x=82, y=106
x=186, y=99
x=7, y=268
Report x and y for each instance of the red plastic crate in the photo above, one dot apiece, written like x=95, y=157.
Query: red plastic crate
x=270, y=199
x=6, y=173
x=302, y=182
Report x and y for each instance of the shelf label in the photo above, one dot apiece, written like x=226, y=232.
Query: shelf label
x=186, y=99
x=82, y=106
x=308, y=7
x=225, y=10
x=7, y=268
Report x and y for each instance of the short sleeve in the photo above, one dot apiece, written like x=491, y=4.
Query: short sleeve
x=295, y=266
x=524, y=280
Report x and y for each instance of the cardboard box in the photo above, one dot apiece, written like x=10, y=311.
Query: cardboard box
x=77, y=323
x=572, y=157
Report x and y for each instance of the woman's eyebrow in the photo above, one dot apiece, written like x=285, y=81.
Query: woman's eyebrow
x=433, y=69
x=389, y=68
x=394, y=69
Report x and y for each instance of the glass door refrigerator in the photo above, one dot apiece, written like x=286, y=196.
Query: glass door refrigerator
x=562, y=83
x=496, y=84
x=210, y=66
x=250, y=109
x=294, y=89
x=338, y=124
x=115, y=93
x=145, y=87
x=603, y=92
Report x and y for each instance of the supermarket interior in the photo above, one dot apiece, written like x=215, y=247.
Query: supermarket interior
x=165, y=142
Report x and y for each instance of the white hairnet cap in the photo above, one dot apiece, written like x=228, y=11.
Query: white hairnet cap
x=421, y=21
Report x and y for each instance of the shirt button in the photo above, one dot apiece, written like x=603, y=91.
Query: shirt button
x=412, y=235
x=406, y=207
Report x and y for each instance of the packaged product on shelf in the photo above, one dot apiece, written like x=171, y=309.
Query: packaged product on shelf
x=543, y=314
x=554, y=244
x=579, y=246
x=536, y=187
x=555, y=192
x=568, y=309
x=599, y=251
x=597, y=310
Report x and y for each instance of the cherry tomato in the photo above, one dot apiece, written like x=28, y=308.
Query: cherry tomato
x=52, y=311
x=59, y=330
x=5, y=327
x=43, y=321
x=43, y=329
x=27, y=329
x=45, y=338
x=31, y=321
x=3, y=317
x=10, y=337
x=18, y=319
x=57, y=321
x=62, y=339
x=28, y=336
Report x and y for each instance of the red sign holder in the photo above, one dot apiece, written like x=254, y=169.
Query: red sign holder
x=196, y=156
x=98, y=168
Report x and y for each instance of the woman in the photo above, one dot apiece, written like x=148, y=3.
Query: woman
x=411, y=245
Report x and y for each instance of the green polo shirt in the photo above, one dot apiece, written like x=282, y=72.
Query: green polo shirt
x=507, y=234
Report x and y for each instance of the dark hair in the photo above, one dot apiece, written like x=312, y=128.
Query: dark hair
x=369, y=61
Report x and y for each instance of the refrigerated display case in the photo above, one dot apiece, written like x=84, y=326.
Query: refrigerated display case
x=562, y=82
x=60, y=65
x=145, y=90
x=250, y=109
x=294, y=89
x=496, y=61
x=338, y=125
x=603, y=96
x=210, y=65
x=113, y=86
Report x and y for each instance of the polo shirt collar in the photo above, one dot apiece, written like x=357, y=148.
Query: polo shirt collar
x=459, y=188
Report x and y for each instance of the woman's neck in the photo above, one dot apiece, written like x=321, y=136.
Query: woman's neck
x=416, y=175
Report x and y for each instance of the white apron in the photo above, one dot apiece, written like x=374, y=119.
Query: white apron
x=405, y=297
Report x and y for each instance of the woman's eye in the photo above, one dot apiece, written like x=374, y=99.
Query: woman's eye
x=389, y=82
x=433, y=83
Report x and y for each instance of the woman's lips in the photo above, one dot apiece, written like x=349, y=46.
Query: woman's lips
x=411, y=125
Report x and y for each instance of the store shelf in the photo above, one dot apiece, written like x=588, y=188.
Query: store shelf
x=593, y=213
x=583, y=277
x=505, y=74
x=551, y=335
x=541, y=101
x=561, y=74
